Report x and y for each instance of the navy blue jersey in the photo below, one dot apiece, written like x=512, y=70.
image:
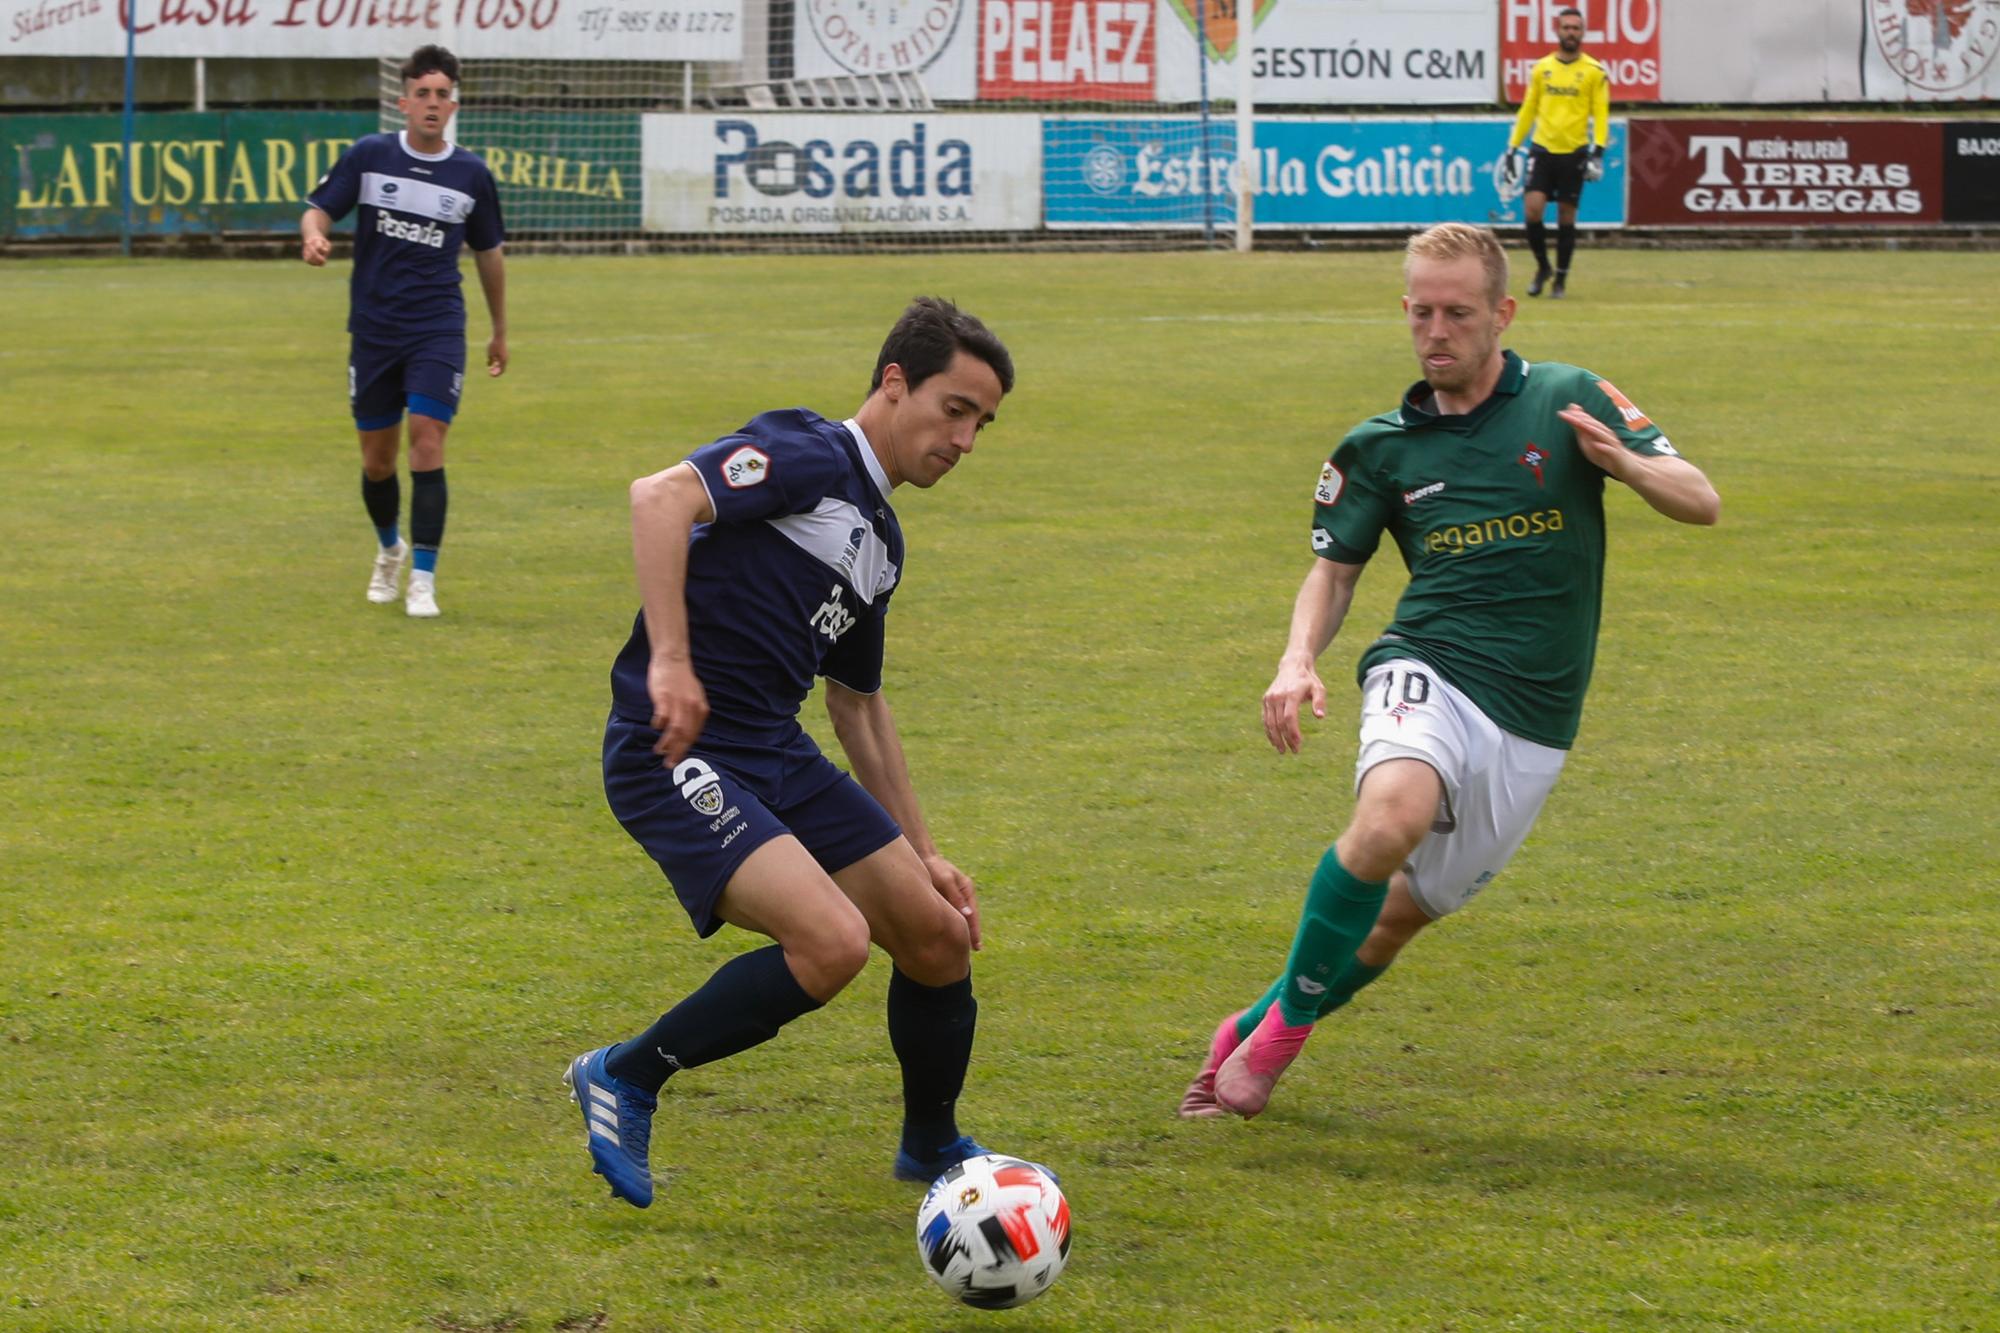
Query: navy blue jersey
x=416, y=209
x=791, y=580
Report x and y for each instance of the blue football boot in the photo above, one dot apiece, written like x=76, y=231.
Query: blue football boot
x=618, y=1120
x=909, y=1167
x=958, y=1150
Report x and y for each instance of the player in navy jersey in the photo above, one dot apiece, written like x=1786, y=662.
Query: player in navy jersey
x=420, y=197
x=767, y=559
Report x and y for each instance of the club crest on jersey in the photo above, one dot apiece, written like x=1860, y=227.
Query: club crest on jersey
x=1531, y=458
x=1633, y=416
x=1330, y=482
x=748, y=466
x=699, y=785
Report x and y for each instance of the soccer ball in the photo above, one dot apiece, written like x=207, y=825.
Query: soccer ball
x=994, y=1231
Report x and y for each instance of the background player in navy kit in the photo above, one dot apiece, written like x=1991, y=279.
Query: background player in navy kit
x=420, y=196
x=1490, y=480
x=765, y=559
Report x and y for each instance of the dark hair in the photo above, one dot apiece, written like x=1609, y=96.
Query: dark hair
x=1569, y=13
x=931, y=331
x=431, y=60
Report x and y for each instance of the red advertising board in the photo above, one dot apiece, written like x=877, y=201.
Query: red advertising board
x=1785, y=173
x=1068, y=50
x=1622, y=35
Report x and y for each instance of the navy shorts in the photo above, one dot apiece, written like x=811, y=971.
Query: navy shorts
x=702, y=818
x=424, y=373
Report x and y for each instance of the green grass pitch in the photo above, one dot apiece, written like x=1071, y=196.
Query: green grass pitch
x=304, y=905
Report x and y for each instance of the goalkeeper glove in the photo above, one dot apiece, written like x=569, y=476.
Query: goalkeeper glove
x=1593, y=170
x=1510, y=165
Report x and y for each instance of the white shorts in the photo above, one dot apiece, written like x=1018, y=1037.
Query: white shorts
x=1494, y=782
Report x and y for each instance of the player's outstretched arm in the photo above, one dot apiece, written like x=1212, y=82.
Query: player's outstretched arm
x=867, y=732
x=665, y=508
x=1317, y=613
x=1673, y=486
x=493, y=281
x=315, y=244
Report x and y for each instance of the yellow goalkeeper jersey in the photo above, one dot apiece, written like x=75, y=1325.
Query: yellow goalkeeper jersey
x=1568, y=104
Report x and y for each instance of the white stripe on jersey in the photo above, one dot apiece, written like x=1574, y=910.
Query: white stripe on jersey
x=837, y=535
x=425, y=200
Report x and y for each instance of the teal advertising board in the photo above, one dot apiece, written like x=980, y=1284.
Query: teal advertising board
x=560, y=171
x=194, y=173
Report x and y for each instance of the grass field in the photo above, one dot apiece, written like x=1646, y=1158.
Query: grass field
x=304, y=905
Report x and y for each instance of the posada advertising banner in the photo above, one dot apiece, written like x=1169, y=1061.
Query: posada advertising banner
x=808, y=172
x=1786, y=173
x=346, y=29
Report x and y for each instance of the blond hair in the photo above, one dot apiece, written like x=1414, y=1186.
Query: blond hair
x=1459, y=240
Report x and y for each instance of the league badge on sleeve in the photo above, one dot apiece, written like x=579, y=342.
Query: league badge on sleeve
x=1634, y=418
x=748, y=466
x=1330, y=482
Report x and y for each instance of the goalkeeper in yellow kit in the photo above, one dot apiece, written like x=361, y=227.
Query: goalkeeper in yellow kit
x=1568, y=107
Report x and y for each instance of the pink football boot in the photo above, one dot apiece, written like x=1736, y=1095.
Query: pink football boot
x=1243, y=1084
x=1199, y=1101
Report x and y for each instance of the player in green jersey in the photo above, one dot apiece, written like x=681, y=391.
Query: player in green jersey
x=1489, y=478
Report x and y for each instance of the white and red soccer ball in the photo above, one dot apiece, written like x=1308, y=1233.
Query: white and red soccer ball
x=994, y=1231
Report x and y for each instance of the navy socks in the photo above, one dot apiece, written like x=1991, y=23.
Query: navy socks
x=744, y=1004
x=930, y=1028
x=383, y=498
x=427, y=504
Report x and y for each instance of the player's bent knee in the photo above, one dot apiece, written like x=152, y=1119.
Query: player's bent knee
x=826, y=958
x=1375, y=848
x=937, y=954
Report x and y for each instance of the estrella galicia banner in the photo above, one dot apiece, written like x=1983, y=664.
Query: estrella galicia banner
x=724, y=174
x=1972, y=171
x=193, y=172
x=1312, y=173
x=1786, y=173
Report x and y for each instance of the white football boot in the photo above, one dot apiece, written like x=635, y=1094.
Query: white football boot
x=388, y=568
x=421, y=600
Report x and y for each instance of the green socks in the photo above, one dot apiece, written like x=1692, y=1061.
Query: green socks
x=1322, y=972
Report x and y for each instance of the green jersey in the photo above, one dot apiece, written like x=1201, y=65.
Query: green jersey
x=1499, y=516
